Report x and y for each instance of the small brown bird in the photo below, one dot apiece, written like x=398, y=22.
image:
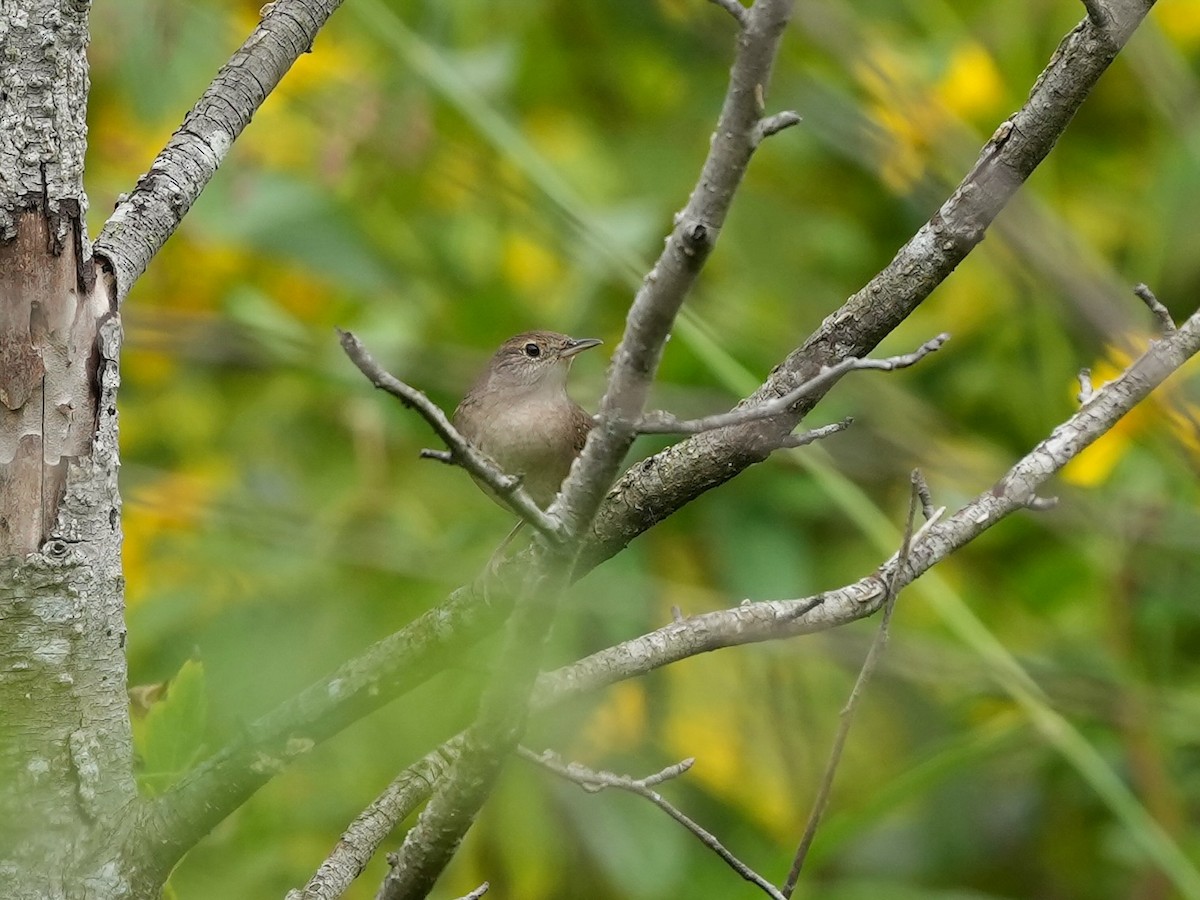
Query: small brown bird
x=519, y=414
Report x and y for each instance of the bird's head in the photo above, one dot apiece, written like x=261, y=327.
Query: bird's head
x=535, y=360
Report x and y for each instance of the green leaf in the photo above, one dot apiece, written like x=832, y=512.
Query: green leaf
x=170, y=738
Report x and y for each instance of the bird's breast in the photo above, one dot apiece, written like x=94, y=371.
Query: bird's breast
x=537, y=439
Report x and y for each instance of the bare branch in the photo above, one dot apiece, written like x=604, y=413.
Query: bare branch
x=933, y=542
x=405, y=659
x=1161, y=313
x=430, y=844
x=370, y=828
x=821, y=803
x=774, y=620
x=774, y=124
x=923, y=492
x=807, y=437
x=592, y=780
x=734, y=8
x=661, y=295
x=507, y=487
x=442, y=456
x=148, y=215
x=656, y=488
x=477, y=893
x=673, y=771
x=660, y=422
x=1086, y=389
x=1041, y=504
x=389, y=668
x=503, y=710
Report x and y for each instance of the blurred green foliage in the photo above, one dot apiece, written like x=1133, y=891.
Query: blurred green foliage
x=439, y=176
x=169, y=737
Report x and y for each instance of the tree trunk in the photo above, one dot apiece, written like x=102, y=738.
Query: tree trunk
x=65, y=750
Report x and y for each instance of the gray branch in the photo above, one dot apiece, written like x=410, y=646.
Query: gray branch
x=775, y=124
x=779, y=619
x=665, y=287
x=660, y=422
x=870, y=663
x=1086, y=390
x=148, y=215
x=371, y=827
x=595, y=780
x=655, y=488
x=923, y=494
x=503, y=709
x=1160, y=312
x=1095, y=11
x=804, y=438
x=592, y=780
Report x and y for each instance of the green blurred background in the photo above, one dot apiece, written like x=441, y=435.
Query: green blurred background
x=439, y=176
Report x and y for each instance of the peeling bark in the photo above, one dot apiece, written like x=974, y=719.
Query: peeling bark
x=65, y=748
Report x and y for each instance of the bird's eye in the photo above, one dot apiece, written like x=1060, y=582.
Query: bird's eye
x=533, y=351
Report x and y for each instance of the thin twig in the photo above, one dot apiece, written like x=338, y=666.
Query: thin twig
x=661, y=422
x=676, y=475
x=593, y=780
x=661, y=295
x=923, y=493
x=174, y=821
x=1041, y=504
x=1086, y=389
x=816, y=434
x=1165, y=321
x=847, y=715
x=734, y=8
x=477, y=893
x=507, y=487
x=366, y=682
x=775, y=124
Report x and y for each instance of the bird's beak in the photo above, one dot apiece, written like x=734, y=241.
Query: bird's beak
x=578, y=345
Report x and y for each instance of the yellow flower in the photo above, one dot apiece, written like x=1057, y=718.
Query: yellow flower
x=174, y=503
x=1096, y=463
x=619, y=723
x=1180, y=22
x=971, y=85
x=528, y=266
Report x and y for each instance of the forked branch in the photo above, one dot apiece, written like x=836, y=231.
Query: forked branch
x=750, y=623
x=650, y=492
x=503, y=709
x=594, y=780
x=846, y=719
x=660, y=422
x=174, y=821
